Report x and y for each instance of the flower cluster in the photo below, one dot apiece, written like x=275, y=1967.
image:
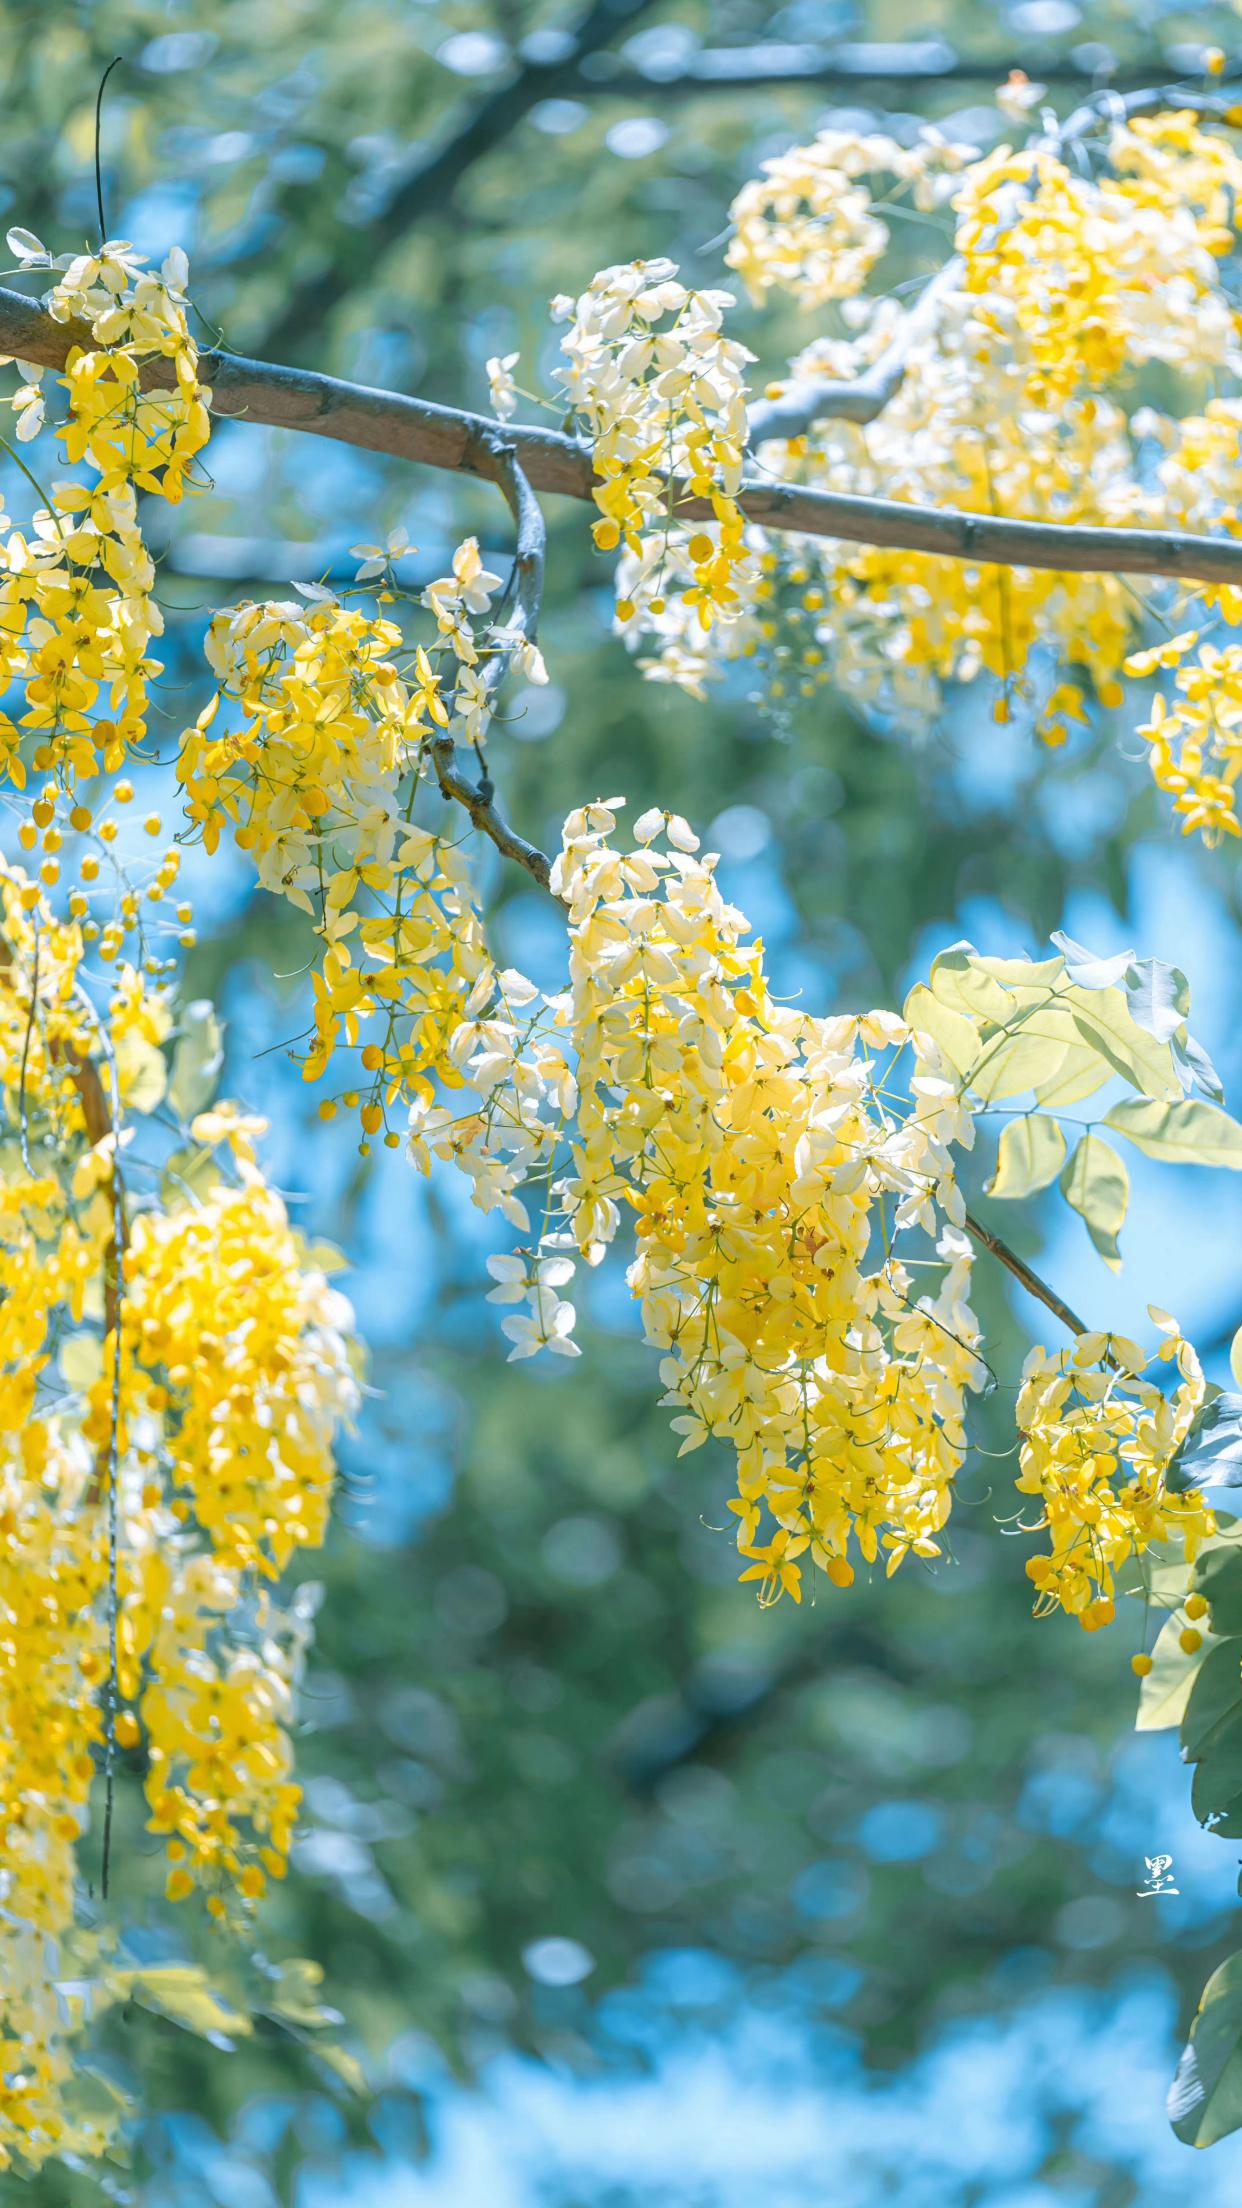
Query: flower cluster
x=661, y=392
x=1062, y=270
x=1097, y=1441
x=1013, y=393
x=78, y=615
x=807, y=225
x=173, y=1372
x=332, y=723
x=770, y=1176
x=1195, y=743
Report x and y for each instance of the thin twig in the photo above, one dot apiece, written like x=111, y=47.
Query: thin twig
x=526, y=589
x=31, y=1008
x=914, y=65
x=115, y=63
x=1026, y=1276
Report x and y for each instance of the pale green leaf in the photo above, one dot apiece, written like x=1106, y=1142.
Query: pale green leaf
x=1205, y=2098
x=1020, y=1063
x=1081, y=1072
x=1165, y=1691
x=1235, y=1357
x=1086, y=969
x=1187, y=1132
x=1096, y=1184
x=1158, y=997
x=1031, y=1153
x=196, y=1061
x=81, y=1360
x=1102, y=1018
x=142, y=1075
x=184, y=1993
x=957, y=1035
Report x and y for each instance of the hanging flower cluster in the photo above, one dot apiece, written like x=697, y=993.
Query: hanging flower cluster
x=1063, y=270
x=1195, y=742
x=770, y=1173
x=77, y=612
x=807, y=224
x=1012, y=394
x=319, y=782
x=172, y=1374
x=172, y=1370
x=662, y=394
x=1097, y=1442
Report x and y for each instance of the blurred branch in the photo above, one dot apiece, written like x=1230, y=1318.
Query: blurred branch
x=914, y=64
x=550, y=67
x=466, y=444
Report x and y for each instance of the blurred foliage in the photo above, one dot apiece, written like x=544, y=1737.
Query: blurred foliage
x=543, y=1711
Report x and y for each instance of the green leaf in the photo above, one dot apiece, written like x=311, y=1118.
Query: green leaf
x=184, y=1993
x=1235, y=1357
x=197, y=1060
x=189, y=1174
x=1205, y=2098
x=1195, y=1068
x=1030, y=1154
x=958, y=980
x=1211, y=1455
x=1087, y=970
x=1102, y=1018
x=81, y=1360
x=1218, y=1576
x=1017, y=1063
x=1216, y=1791
x=1187, y=1132
x=1166, y=1690
x=1097, y=1185
x=1215, y=1694
x=956, y=1034
x=141, y=1073
x=1158, y=997
x=1081, y=1072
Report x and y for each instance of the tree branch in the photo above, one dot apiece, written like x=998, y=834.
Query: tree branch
x=464, y=444
x=526, y=586
x=910, y=64
x=553, y=61
x=1026, y=1276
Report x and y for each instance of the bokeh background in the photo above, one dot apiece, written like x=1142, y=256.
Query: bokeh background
x=627, y=1891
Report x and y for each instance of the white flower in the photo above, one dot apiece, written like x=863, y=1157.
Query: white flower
x=501, y=385
x=542, y=1329
x=376, y=557
x=1017, y=96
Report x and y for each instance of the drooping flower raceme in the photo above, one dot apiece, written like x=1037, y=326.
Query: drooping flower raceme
x=1098, y=1439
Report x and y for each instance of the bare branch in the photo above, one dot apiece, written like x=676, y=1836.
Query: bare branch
x=811, y=399
x=464, y=444
x=1026, y=1276
x=521, y=622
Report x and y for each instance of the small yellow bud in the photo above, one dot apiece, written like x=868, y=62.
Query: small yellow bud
x=1140, y=1666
